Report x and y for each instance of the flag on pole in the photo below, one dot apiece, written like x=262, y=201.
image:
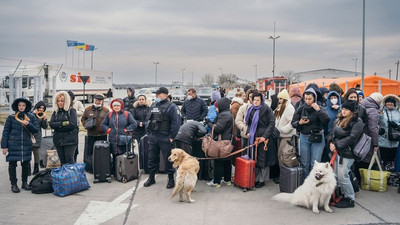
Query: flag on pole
x=71, y=43
x=89, y=48
x=80, y=46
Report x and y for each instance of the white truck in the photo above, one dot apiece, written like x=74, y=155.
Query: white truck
x=49, y=79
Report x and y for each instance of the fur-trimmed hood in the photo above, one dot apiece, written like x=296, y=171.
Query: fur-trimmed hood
x=395, y=98
x=136, y=104
x=238, y=100
x=67, y=103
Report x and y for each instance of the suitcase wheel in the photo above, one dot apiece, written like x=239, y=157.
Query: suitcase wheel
x=95, y=181
x=244, y=189
x=109, y=180
x=253, y=188
x=124, y=179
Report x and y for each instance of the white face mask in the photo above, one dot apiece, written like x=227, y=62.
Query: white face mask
x=97, y=106
x=189, y=97
x=334, y=101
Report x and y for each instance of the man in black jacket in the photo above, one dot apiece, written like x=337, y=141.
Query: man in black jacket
x=129, y=100
x=188, y=133
x=194, y=108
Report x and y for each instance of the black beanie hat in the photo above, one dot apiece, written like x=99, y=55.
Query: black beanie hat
x=350, y=105
x=392, y=100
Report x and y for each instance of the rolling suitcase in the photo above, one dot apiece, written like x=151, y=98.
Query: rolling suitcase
x=88, y=156
x=126, y=165
x=101, y=162
x=290, y=178
x=245, y=173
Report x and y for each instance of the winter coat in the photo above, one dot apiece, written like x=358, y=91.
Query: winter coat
x=333, y=113
x=17, y=139
x=117, y=123
x=95, y=112
x=80, y=109
x=345, y=139
x=139, y=114
x=240, y=119
x=318, y=120
x=109, y=94
x=283, y=123
x=64, y=135
x=223, y=123
x=129, y=101
x=42, y=123
x=394, y=115
x=235, y=105
x=190, y=131
x=371, y=129
x=265, y=128
x=174, y=117
x=211, y=115
x=194, y=109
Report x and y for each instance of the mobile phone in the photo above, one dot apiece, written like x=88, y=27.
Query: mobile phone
x=304, y=117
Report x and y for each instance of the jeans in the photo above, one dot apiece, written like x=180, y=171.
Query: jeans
x=310, y=152
x=343, y=178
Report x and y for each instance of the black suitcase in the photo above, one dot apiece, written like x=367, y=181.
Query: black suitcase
x=144, y=155
x=290, y=178
x=101, y=162
x=88, y=156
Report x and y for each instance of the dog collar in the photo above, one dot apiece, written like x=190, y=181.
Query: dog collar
x=319, y=184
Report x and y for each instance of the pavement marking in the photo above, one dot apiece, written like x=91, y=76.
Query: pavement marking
x=370, y=212
x=98, y=212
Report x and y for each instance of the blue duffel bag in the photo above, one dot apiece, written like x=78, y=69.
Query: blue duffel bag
x=69, y=179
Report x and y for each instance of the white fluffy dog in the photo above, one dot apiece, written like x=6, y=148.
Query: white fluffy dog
x=316, y=190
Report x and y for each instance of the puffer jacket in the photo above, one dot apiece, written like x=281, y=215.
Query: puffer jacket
x=194, y=109
x=394, y=115
x=283, y=123
x=17, y=139
x=331, y=111
x=318, y=119
x=223, y=123
x=129, y=101
x=190, y=131
x=95, y=112
x=42, y=123
x=371, y=128
x=139, y=114
x=64, y=135
x=117, y=123
x=240, y=119
x=345, y=139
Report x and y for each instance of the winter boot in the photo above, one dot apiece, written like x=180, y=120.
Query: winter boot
x=35, y=169
x=42, y=164
x=14, y=188
x=151, y=180
x=171, y=181
x=25, y=186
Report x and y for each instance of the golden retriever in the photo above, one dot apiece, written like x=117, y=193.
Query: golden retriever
x=186, y=177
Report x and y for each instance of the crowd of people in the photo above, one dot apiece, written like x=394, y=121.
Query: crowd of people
x=326, y=120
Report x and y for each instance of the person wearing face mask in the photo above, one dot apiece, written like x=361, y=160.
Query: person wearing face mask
x=310, y=119
x=17, y=143
x=194, y=108
x=95, y=112
x=352, y=95
x=163, y=125
x=333, y=106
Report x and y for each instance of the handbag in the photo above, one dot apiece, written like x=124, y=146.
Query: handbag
x=69, y=179
x=393, y=134
x=315, y=136
x=124, y=140
x=33, y=139
x=216, y=149
x=53, y=161
x=373, y=180
x=90, y=123
x=363, y=147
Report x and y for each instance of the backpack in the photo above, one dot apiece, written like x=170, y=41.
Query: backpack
x=125, y=113
x=41, y=183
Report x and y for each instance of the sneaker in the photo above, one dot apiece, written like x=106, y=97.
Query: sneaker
x=229, y=183
x=211, y=183
x=345, y=203
x=217, y=185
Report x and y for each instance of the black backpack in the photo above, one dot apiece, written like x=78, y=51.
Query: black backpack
x=41, y=183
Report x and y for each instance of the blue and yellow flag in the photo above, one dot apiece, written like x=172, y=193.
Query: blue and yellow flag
x=80, y=46
x=71, y=43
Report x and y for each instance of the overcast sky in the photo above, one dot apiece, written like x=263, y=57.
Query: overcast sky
x=202, y=36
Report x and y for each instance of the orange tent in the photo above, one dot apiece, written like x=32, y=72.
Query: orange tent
x=371, y=84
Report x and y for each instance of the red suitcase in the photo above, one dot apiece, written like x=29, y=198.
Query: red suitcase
x=245, y=173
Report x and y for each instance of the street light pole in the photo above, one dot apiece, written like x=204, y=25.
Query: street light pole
x=192, y=79
x=273, y=55
x=355, y=67
x=255, y=73
x=221, y=70
x=363, y=49
x=183, y=75
x=156, y=63
x=397, y=72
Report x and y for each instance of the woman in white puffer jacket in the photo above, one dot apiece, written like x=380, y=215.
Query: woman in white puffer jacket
x=283, y=118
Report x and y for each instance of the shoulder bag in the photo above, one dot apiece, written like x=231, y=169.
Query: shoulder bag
x=393, y=134
x=219, y=148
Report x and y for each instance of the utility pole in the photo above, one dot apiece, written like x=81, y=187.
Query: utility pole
x=255, y=66
x=156, y=63
x=273, y=38
x=183, y=76
x=363, y=49
x=390, y=74
x=397, y=71
x=355, y=67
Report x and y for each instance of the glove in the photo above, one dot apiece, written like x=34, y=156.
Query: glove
x=64, y=123
x=108, y=130
x=125, y=131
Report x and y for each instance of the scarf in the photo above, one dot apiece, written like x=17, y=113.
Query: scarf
x=254, y=121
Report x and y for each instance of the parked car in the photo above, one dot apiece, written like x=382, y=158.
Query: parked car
x=205, y=94
x=178, y=96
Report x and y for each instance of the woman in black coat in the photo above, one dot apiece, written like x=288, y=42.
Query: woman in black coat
x=139, y=113
x=17, y=143
x=345, y=133
x=260, y=127
x=64, y=122
x=223, y=125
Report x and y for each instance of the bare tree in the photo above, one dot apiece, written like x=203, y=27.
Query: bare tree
x=227, y=80
x=292, y=77
x=208, y=79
